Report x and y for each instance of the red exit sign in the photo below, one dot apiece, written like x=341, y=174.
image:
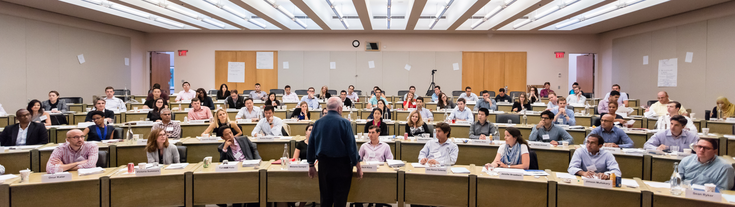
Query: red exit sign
x=559, y=54
x=183, y=52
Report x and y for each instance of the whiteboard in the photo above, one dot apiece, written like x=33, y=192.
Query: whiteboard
x=236, y=72
x=264, y=60
x=667, y=72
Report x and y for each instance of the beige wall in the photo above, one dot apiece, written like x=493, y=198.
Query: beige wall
x=198, y=66
x=706, y=32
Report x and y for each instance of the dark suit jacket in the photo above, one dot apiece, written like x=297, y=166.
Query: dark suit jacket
x=248, y=148
x=108, y=114
x=37, y=134
x=237, y=105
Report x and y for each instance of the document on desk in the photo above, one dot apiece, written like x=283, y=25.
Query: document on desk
x=460, y=170
x=6, y=177
x=630, y=183
x=565, y=175
x=418, y=165
x=729, y=198
x=47, y=148
x=90, y=171
x=536, y=173
x=657, y=184
x=177, y=166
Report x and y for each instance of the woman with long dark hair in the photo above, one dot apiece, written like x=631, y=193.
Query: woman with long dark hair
x=37, y=113
x=223, y=92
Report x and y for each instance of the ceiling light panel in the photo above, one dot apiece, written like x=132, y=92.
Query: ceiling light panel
x=130, y=13
x=400, y=11
x=233, y=13
x=285, y=13
x=179, y=12
x=603, y=13
x=496, y=12
x=450, y=14
x=340, y=15
x=550, y=12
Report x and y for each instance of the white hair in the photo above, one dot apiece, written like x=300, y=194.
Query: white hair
x=334, y=103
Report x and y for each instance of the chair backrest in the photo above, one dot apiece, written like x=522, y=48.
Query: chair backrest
x=597, y=113
x=72, y=100
x=588, y=95
x=245, y=92
x=212, y=92
x=118, y=133
x=651, y=102
x=277, y=91
x=102, y=159
x=570, y=107
x=61, y=120
x=708, y=114
x=515, y=94
x=302, y=92
x=594, y=120
x=503, y=118
x=457, y=93
x=359, y=92
x=286, y=129
x=182, y=153
x=402, y=92
x=333, y=92
x=533, y=159
x=121, y=91
x=492, y=94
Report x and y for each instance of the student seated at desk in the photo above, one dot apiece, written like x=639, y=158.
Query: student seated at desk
x=375, y=150
x=155, y=114
x=172, y=129
x=223, y=92
x=25, y=132
x=288, y=96
x=409, y=102
x=512, y=154
x=159, y=150
x=37, y=113
x=486, y=102
x=310, y=99
x=269, y=125
x=439, y=150
x=673, y=108
x=445, y=102
x=223, y=120
x=53, y=104
x=303, y=145
x=502, y=97
x=522, y=104
x=553, y=101
x=272, y=100
x=416, y=125
x=74, y=154
x=113, y=103
x=186, y=94
x=324, y=94
x=613, y=136
x=727, y=108
x=383, y=107
x=674, y=136
x=151, y=99
x=462, y=113
x=706, y=167
x=590, y=161
x=257, y=94
x=612, y=108
x=197, y=112
x=577, y=97
x=100, y=130
x=468, y=95
x=236, y=148
x=302, y=112
x=533, y=94
x=375, y=100
x=421, y=108
x=377, y=121
x=249, y=111
x=99, y=105
x=564, y=115
x=234, y=101
x=204, y=99
x=323, y=113
x=547, y=131
x=483, y=129
x=345, y=100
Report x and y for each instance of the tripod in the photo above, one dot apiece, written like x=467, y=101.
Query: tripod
x=431, y=86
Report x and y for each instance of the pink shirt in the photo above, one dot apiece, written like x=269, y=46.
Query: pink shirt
x=183, y=95
x=236, y=151
x=381, y=152
x=64, y=152
x=202, y=114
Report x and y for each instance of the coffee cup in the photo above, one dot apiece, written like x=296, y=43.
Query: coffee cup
x=565, y=144
x=25, y=175
x=141, y=165
x=709, y=187
x=705, y=131
x=687, y=151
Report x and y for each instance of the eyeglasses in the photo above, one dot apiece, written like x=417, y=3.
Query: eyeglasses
x=76, y=137
x=545, y=118
x=697, y=147
x=165, y=114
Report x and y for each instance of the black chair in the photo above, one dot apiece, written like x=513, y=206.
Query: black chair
x=333, y=92
x=503, y=118
x=277, y=91
x=182, y=153
x=401, y=93
x=118, y=133
x=121, y=91
x=102, y=159
x=588, y=95
x=492, y=94
x=595, y=119
x=708, y=114
x=651, y=102
x=533, y=159
x=598, y=113
x=457, y=93
x=59, y=119
x=570, y=107
x=72, y=100
x=212, y=92
x=359, y=92
x=302, y=92
x=284, y=132
x=515, y=94
x=246, y=92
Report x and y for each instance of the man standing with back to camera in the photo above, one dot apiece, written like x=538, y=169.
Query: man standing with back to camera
x=333, y=144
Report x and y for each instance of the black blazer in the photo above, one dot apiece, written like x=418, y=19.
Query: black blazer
x=150, y=102
x=108, y=114
x=383, y=127
x=206, y=102
x=237, y=104
x=37, y=134
x=249, y=149
x=517, y=105
x=220, y=95
x=348, y=102
x=297, y=111
x=268, y=103
x=154, y=115
x=387, y=110
x=426, y=130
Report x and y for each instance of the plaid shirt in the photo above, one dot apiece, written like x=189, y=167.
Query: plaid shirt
x=64, y=152
x=173, y=133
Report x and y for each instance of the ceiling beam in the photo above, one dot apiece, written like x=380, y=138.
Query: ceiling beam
x=362, y=12
x=259, y=14
x=521, y=14
x=202, y=11
x=574, y=14
x=314, y=17
x=418, y=7
x=467, y=14
x=158, y=14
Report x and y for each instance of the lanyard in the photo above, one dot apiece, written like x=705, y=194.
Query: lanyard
x=104, y=137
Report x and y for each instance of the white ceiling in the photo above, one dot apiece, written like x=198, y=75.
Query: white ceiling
x=402, y=16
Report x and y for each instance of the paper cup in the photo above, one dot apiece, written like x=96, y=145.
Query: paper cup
x=709, y=187
x=705, y=131
x=687, y=151
x=565, y=144
x=141, y=165
x=25, y=175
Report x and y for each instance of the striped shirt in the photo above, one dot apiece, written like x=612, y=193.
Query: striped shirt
x=64, y=152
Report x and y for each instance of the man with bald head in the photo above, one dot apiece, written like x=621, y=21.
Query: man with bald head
x=613, y=136
x=72, y=155
x=661, y=108
x=332, y=142
x=25, y=132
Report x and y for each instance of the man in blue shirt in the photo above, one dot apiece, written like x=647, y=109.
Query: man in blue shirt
x=462, y=113
x=706, y=167
x=435, y=96
x=674, y=136
x=440, y=151
x=590, y=161
x=486, y=102
x=563, y=115
x=379, y=95
x=333, y=144
x=546, y=131
x=310, y=100
x=613, y=136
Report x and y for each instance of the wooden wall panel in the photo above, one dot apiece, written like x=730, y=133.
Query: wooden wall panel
x=494, y=71
x=221, y=58
x=515, y=71
x=473, y=64
x=267, y=78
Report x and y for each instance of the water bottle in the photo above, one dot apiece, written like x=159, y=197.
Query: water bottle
x=349, y=116
x=675, y=181
x=525, y=119
x=186, y=119
x=284, y=158
x=385, y=115
x=446, y=117
x=586, y=109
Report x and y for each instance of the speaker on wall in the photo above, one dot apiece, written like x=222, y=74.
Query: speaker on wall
x=372, y=46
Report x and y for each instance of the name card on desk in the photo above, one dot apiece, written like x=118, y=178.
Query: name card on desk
x=597, y=183
x=369, y=167
x=58, y=177
x=142, y=141
x=208, y=139
x=251, y=163
x=289, y=120
x=481, y=141
x=612, y=149
x=539, y=144
x=702, y=195
x=437, y=170
x=462, y=122
x=230, y=167
x=298, y=167
x=197, y=121
x=510, y=175
x=266, y=138
x=148, y=172
x=245, y=121
x=421, y=139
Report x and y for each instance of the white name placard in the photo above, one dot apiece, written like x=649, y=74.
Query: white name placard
x=701, y=195
x=369, y=167
x=58, y=177
x=148, y=172
x=510, y=175
x=266, y=138
x=436, y=170
x=612, y=149
x=226, y=168
x=250, y=163
x=142, y=141
x=462, y=122
x=244, y=121
x=207, y=139
x=481, y=141
x=598, y=183
x=424, y=139
x=196, y=121
x=289, y=120
x=298, y=167
x=539, y=144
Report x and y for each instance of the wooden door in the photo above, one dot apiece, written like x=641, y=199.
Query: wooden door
x=494, y=70
x=585, y=72
x=472, y=71
x=494, y=78
x=515, y=71
x=161, y=70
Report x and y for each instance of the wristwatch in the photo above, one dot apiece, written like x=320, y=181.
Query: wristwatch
x=311, y=165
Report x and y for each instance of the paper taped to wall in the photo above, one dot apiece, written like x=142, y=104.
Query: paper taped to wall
x=236, y=72
x=689, y=57
x=332, y=65
x=407, y=67
x=81, y=58
x=645, y=60
x=264, y=60
x=127, y=61
x=371, y=64
x=455, y=66
x=285, y=65
x=667, y=72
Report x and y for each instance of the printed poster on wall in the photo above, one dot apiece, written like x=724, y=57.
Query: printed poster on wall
x=264, y=60
x=236, y=72
x=667, y=70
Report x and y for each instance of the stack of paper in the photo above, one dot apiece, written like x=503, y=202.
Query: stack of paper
x=536, y=173
x=460, y=170
x=90, y=171
x=8, y=176
x=396, y=163
x=729, y=198
x=177, y=166
x=379, y=163
x=418, y=165
x=630, y=183
x=565, y=175
x=657, y=184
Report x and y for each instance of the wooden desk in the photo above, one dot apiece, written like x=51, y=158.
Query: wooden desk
x=135, y=116
x=297, y=128
x=167, y=189
x=81, y=190
x=477, y=154
x=554, y=158
x=662, y=166
x=46, y=150
x=441, y=190
x=570, y=194
x=639, y=137
x=720, y=127
x=272, y=149
x=375, y=187
x=410, y=151
x=631, y=165
x=16, y=160
x=208, y=184
x=507, y=107
x=131, y=153
x=281, y=186
x=197, y=150
x=528, y=192
x=77, y=107
x=662, y=197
